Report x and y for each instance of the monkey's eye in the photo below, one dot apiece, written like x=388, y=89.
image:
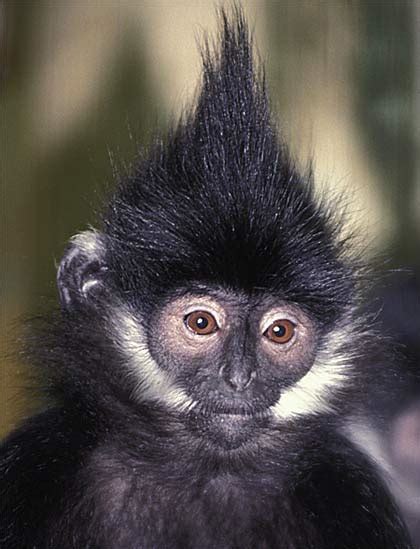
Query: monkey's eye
x=201, y=323
x=281, y=331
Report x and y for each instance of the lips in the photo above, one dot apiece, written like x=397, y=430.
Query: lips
x=238, y=414
x=232, y=418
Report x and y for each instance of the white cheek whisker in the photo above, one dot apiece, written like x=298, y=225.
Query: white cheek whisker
x=312, y=394
x=152, y=383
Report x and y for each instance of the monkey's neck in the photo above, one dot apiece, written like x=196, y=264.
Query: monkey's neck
x=148, y=429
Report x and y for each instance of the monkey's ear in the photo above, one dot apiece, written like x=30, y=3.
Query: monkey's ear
x=80, y=275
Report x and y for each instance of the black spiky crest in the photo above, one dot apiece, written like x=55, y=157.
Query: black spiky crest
x=219, y=201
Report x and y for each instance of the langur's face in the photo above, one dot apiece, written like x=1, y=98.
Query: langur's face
x=234, y=356
x=227, y=362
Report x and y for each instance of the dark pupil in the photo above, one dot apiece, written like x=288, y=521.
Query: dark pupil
x=202, y=323
x=279, y=331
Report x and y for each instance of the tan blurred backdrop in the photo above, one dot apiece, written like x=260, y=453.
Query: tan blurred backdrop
x=83, y=83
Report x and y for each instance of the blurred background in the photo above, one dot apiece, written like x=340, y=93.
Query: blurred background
x=84, y=83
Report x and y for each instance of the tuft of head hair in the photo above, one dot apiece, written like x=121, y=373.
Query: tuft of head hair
x=216, y=203
x=220, y=202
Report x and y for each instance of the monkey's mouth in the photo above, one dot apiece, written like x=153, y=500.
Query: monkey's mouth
x=226, y=417
x=240, y=416
x=233, y=411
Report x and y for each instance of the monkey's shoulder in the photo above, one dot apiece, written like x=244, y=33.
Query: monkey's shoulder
x=338, y=488
x=62, y=487
x=38, y=465
x=41, y=448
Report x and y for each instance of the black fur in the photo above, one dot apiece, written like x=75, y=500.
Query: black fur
x=221, y=202
x=217, y=204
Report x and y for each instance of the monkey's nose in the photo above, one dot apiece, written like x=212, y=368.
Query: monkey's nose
x=237, y=378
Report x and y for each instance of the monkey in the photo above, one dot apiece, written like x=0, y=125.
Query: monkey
x=207, y=352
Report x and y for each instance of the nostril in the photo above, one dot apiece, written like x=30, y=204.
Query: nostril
x=239, y=380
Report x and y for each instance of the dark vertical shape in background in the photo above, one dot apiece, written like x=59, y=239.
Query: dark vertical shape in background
x=385, y=107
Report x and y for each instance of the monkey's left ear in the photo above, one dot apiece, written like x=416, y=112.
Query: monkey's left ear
x=80, y=275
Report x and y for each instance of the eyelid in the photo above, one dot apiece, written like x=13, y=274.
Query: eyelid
x=197, y=307
x=269, y=319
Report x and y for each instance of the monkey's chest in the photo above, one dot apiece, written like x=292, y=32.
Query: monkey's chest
x=221, y=511
x=182, y=507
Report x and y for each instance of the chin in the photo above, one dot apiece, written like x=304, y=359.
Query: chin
x=226, y=430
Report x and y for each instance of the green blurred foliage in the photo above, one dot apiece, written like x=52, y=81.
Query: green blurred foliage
x=48, y=198
x=51, y=197
x=385, y=106
x=383, y=80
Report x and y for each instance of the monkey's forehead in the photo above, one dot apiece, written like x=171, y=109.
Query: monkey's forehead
x=233, y=279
